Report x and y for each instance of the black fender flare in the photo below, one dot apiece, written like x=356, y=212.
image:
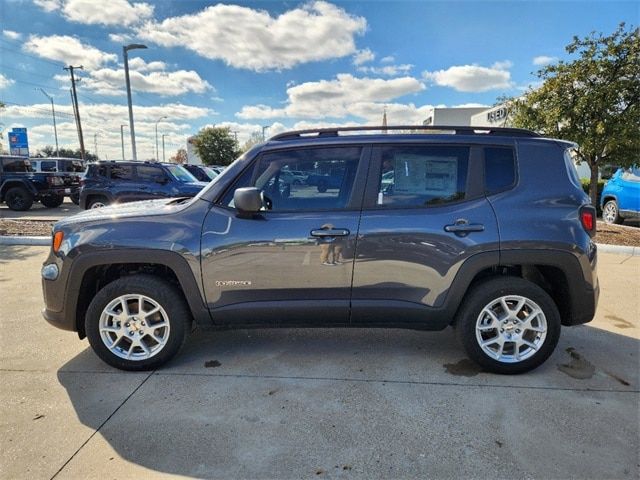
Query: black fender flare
x=14, y=182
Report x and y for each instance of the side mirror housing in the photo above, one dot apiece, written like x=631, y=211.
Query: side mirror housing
x=247, y=200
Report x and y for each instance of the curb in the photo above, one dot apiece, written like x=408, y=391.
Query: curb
x=46, y=241
x=24, y=240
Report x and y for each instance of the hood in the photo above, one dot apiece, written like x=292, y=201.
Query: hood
x=145, y=208
x=193, y=187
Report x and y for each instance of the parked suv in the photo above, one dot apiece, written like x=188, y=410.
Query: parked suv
x=110, y=182
x=20, y=186
x=620, y=197
x=73, y=167
x=487, y=230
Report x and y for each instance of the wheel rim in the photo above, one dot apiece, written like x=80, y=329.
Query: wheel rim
x=16, y=200
x=511, y=329
x=97, y=205
x=610, y=212
x=134, y=327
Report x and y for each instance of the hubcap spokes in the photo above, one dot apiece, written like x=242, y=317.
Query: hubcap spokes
x=511, y=329
x=134, y=327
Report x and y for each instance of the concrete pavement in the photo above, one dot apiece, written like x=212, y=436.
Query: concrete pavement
x=324, y=403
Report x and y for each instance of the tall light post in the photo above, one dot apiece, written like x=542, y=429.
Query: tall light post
x=263, y=129
x=95, y=144
x=125, y=50
x=163, y=157
x=122, y=138
x=53, y=114
x=158, y=121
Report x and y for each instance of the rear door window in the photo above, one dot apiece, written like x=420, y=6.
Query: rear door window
x=151, y=174
x=422, y=176
x=122, y=172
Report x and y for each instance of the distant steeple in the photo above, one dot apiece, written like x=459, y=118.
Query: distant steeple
x=384, y=119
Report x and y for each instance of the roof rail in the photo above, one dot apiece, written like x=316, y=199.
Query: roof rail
x=457, y=130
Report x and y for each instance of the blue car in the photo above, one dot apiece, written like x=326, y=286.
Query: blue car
x=621, y=196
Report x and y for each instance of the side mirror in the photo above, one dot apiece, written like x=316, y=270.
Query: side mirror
x=247, y=200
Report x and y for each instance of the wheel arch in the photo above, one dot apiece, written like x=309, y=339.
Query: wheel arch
x=92, y=271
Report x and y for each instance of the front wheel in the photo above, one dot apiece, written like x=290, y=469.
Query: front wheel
x=610, y=213
x=508, y=325
x=137, y=323
x=18, y=199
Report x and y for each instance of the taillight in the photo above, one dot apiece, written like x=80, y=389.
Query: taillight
x=55, y=181
x=588, y=219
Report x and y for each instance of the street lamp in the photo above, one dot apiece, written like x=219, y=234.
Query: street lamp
x=158, y=121
x=163, y=157
x=122, y=138
x=263, y=129
x=125, y=49
x=53, y=113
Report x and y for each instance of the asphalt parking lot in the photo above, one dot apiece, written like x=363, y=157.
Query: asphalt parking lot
x=40, y=212
x=323, y=403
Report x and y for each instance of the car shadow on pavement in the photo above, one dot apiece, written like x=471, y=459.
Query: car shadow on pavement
x=181, y=419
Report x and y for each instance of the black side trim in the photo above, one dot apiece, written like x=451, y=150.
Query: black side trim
x=283, y=313
x=173, y=260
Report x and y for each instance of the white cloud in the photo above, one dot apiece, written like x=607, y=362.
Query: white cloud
x=48, y=5
x=5, y=82
x=388, y=70
x=252, y=39
x=10, y=34
x=68, y=50
x=388, y=59
x=107, y=12
x=149, y=77
x=473, y=78
x=120, y=37
x=345, y=95
x=363, y=56
x=542, y=60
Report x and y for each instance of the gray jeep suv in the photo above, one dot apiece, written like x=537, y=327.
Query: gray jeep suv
x=486, y=230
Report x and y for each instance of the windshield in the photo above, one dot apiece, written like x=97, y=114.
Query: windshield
x=181, y=174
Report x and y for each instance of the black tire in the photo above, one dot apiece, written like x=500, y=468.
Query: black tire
x=18, y=199
x=97, y=202
x=164, y=294
x=611, y=214
x=75, y=198
x=52, y=201
x=322, y=186
x=482, y=295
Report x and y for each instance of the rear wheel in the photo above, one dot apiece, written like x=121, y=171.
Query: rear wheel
x=508, y=325
x=322, y=186
x=610, y=213
x=18, y=199
x=137, y=323
x=75, y=198
x=52, y=201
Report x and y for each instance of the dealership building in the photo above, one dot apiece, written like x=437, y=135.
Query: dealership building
x=469, y=116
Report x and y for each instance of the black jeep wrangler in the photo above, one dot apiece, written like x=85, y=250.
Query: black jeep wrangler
x=20, y=186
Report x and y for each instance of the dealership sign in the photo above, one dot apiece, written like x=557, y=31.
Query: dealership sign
x=18, y=142
x=497, y=115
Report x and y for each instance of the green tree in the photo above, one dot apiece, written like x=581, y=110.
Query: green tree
x=592, y=100
x=215, y=146
x=50, y=151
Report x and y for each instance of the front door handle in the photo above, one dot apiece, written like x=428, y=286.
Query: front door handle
x=462, y=227
x=330, y=232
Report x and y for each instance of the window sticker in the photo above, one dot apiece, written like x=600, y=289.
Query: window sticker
x=418, y=174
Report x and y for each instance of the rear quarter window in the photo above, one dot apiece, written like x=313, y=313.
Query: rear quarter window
x=499, y=169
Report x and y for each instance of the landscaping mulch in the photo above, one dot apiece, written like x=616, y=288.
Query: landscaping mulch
x=608, y=234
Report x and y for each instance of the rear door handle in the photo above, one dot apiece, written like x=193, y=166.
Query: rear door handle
x=330, y=232
x=462, y=227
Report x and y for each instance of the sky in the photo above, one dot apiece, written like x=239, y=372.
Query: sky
x=285, y=64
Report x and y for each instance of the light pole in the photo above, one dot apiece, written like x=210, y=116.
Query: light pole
x=95, y=144
x=163, y=157
x=158, y=121
x=263, y=129
x=122, y=138
x=125, y=49
x=53, y=114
